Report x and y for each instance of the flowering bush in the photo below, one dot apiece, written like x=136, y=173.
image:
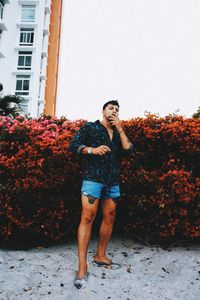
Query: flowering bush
x=162, y=179
x=40, y=179
x=37, y=177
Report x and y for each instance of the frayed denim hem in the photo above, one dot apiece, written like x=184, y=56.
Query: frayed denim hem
x=91, y=199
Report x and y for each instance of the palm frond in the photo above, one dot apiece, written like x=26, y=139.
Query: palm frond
x=11, y=105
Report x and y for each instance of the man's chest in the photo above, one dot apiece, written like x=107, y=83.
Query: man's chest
x=100, y=136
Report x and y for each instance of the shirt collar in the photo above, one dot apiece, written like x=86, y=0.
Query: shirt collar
x=99, y=123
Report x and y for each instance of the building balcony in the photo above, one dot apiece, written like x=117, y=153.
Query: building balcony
x=42, y=76
x=43, y=65
x=46, y=25
x=29, y=2
x=46, y=29
x=25, y=48
x=22, y=72
x=47, y=6
x=40, y=100
x=45, y=45
x=21, y=24
x=44, y=53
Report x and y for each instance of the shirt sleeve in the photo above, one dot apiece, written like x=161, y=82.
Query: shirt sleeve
x=79, y=140
x=123, y=153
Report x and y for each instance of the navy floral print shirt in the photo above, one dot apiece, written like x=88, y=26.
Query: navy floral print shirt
x=105, y=168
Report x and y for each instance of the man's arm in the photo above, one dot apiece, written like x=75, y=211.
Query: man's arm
x=126, y=143
x=101, y=150
x=126, y=147
x=79, y=140
x=79, y=143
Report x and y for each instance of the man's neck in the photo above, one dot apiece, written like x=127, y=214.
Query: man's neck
x=106, y=123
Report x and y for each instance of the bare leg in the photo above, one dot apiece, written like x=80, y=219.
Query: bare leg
x=89, y=209
x=109, y=212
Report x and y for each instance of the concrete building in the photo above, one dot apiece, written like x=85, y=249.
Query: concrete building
x=2, y=21
x=24, y=51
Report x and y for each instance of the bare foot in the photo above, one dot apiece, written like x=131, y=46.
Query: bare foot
x=102, y=258
x=82, y=271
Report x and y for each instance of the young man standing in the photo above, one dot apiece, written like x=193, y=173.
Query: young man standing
x=101, y=144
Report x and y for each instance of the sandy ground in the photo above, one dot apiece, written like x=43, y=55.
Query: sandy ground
x=146, y=272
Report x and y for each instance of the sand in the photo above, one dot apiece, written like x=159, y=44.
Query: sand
x=146, y=272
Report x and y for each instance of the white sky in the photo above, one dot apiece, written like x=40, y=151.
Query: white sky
x=145, y=53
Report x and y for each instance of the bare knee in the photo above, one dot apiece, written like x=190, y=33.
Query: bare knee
x=89, y=208
x=109, y=216
x=88, y=217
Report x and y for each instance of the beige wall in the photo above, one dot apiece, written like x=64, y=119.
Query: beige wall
x=53, y=58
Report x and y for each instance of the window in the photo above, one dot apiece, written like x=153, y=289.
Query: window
x=26, y=36
x=22, y=85
x=24, y=60
x=28, y=13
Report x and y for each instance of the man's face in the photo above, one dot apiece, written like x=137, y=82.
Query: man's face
x=110, y=110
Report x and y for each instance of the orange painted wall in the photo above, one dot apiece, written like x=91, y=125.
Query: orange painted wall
x=53, y=58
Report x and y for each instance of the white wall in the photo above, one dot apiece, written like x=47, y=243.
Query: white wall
x=146, y=53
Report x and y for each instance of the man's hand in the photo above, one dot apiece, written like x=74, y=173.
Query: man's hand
x=115, y=121
x=101, y=150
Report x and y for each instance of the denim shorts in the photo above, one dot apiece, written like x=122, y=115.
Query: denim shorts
x=99, y=190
